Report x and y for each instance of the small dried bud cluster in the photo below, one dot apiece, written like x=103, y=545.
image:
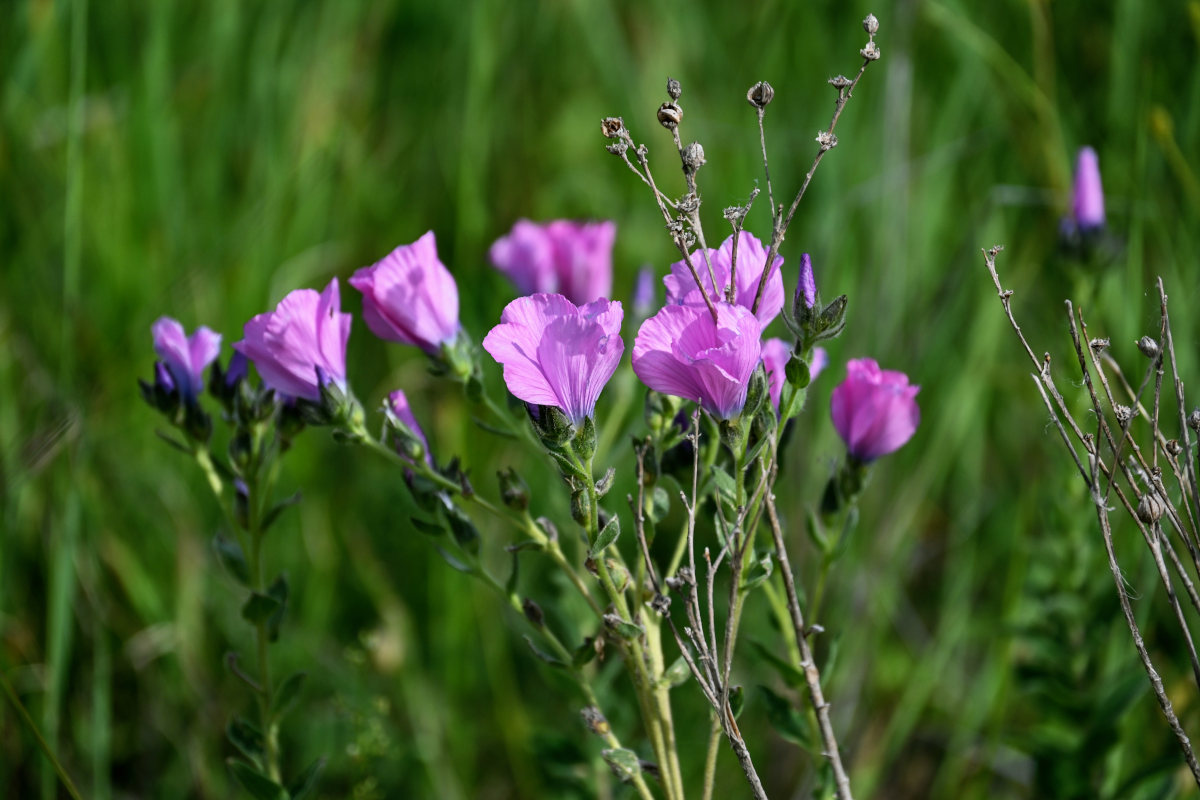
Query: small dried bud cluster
x=840, y=82
x=1148, y=347
x=870, y=51
x=595, y=720
x=1174, y=447
x=1123, y=413
x=674, y=90
x=670, y=115
x=760, y=95
x=1193, y=420
x=1099, y=344
x=612, y=127
x=827, y=140
x=693, y=157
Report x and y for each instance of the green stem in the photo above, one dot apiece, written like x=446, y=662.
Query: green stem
x=710, y=760
x=258, y=585
x=37, y=735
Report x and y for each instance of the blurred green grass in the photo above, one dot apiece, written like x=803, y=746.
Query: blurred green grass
x=201, y=159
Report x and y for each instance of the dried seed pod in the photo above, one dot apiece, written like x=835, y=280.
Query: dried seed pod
x=871, y=25
x=1148, y=347
x=670, y=115
x=760, y=95
x=693, y=157
x=674, y=90
x=1151, y=508
x=612, y=127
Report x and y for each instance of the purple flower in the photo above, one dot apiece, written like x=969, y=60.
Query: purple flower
x=680, y=351
x=874, y=410
x=398, y=407
x=184, y=358
x=410, y=297
x=682, y=289
x=556, y=353
x=304, y=335
x=775, y=356
x=1087, y=200
x=573, y=259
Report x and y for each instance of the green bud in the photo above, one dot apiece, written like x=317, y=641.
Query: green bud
x=513, y=489
x=584, y=444
x=581, y=506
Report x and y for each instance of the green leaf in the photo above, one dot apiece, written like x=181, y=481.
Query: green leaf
x=305, y=781
x=510, y=586
x=492, y=429
x=277, y=509
x=792, y=676
x=454, y=562
x=525, y=544
x=606, y=537
x=246, y=738
x=259, y=608
x=230, y=554
x=584, y=653
x=623, y=628
x=676, y=674
x=287, y=692
x=756, y=449
x=279, y=591
x=814, y=530
x=543, y=655
x=660, y=504
x=760, y=570
x=623, y=763
x=786, y=720
x=726, y=487
x=426, y=527
x=254, y=782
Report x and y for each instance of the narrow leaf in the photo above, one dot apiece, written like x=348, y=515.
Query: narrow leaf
x=259, y=608
x=624, y=764
x=277, y=509
x=254, y=782
x=606, y=537
x=287, y=692
x=786, y=720
x=454, y=562
x=230, y=554
x=426, y=527
x=279, y=591
x=543, y=655
x=307, y=780
x=792, y=676
x=246, y=738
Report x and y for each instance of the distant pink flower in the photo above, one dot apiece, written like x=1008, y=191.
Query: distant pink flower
x=556, y=353
x=410, y=297
x=184, y=358
x=751, y=256
x=1087, y=200
x=680, y=351
x=775, y=355
x=564, y=257
x=874, y=410
x=304, y=335
x=397, y=406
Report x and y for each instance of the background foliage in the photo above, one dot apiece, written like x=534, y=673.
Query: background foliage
x=200, y=159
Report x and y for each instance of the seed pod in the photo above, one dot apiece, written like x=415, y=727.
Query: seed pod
x=674, y=89
x=760, y=95
x=670, y=115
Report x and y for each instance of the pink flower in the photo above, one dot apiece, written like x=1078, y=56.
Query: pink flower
x=184, y=358
x=556, y=353
x=682, y=289
x=398, y=407
x=680, y=351
x=775, y=356
x=874, y=410
x=410, y=297
x=1087, y=200
x=305, y=335
x=573, y=259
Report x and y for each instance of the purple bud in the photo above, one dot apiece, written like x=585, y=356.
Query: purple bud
x=237, y=368
x=398, y=408
x=162, y=377
x=644, y=296
x=806, y=287
x=185, y=357
x=874, y=411
x=1087, y=201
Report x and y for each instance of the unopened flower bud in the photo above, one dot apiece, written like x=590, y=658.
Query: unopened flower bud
x=674, y=89
x=1151, y=508
x=760, y=95
x=611, y=127
x=1148, y=346
x=871, y=25
x=670, y=115
x=581, y=506
x=533, y=612
x=693, y=157
x=1193, y=420
x=513, y=489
